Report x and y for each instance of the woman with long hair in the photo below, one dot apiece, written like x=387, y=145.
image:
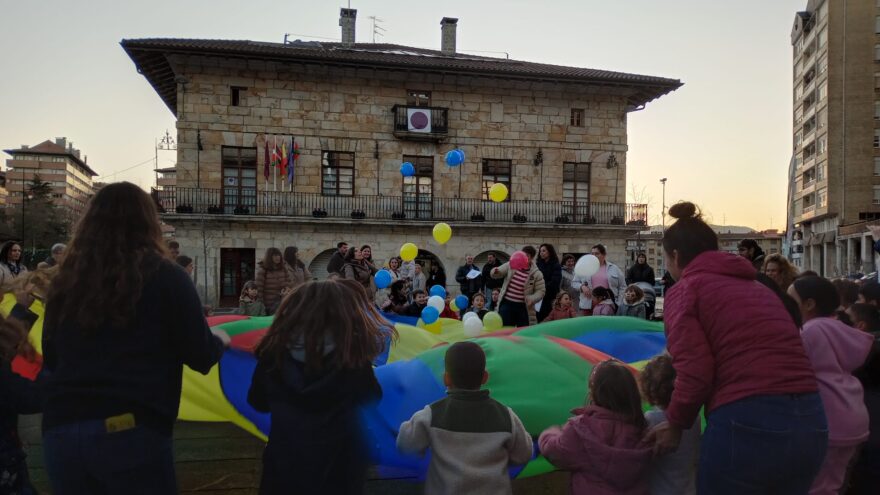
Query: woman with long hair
x=358, y=269
x=273, y=279
x=780, y=271
x=548, y=263
x=314, y=368
x=299, y=273
x=121, y=321
x=11, y=266
x=737, y=353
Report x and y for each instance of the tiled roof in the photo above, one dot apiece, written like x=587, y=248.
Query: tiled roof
x=149, y=55
x=48, y=147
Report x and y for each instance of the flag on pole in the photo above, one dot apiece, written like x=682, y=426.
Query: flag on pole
x=266, y=160
x=283, y=162
x=274, y=162
x=294, y=154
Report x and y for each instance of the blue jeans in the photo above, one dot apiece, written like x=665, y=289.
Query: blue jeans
x=513, y=314
x=82, y=458
x=766, y=444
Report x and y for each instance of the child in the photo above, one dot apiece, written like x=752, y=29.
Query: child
x=420, y=300
x=447, y=311
x=493, y=304
x=397, y=298
x=562, y=308
x=314, y=370
x=19, y=396
x=603, y=302
x=249, y=303
x=472, y=437
x=478, y=305
x=602, y=445
x=674, y=473
x=633, y=303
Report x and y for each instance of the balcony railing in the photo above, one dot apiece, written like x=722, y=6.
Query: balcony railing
x=184, y=200
x=418, y=122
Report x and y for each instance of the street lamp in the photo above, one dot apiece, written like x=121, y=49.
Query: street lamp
x=663, y=181
x=166, y=144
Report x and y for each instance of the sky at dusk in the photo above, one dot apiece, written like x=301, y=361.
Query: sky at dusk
x=723, y=140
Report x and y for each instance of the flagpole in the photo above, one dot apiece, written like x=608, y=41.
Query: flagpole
x=274, y=163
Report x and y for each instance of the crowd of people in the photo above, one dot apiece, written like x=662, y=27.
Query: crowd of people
x=784, y=367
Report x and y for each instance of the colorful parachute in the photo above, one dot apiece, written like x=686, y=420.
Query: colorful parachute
x=540, y=371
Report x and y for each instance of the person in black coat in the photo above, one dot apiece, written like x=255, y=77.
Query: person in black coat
x=337, y=261
x=548, y=263
x=314, y=370
x=437, y=276
x=641, y=271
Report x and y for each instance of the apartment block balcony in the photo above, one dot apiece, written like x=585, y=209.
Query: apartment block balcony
x=190, y=201
x=420, y=123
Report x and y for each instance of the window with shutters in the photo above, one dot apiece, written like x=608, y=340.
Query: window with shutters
x=239, y=178
x=418, y=189
x=576, y=188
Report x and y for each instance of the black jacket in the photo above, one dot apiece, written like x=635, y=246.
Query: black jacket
x=488, y=281
x=316, y=443
x=552, y=272
x=138, y=369
x=468, y=285
x=640, y=273
x=436, y=278
x=337, y=261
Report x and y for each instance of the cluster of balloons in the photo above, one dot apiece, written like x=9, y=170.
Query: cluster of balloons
x=432, y=311
x=473, y=326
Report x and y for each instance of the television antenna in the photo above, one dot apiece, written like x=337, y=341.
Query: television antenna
x=377, y=29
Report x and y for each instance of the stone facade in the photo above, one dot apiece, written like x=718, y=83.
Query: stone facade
x=335, y=109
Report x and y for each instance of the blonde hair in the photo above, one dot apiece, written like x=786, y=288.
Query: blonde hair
x=557, y=303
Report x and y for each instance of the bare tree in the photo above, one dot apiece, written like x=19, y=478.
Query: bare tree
x=639, y=194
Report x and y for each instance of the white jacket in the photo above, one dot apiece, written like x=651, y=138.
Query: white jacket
x=616, y=282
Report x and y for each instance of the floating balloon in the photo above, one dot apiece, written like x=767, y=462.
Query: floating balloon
x=382, y=279
x=467, y=316
x=498, y=192
x=454, y=157
x=587, y=266
x=519, y=260
x=437, y=290
x=407, y=169
x=442, y=232
x=430, y=315
x=492, y=321
x=408, y=251
x=437, y=303
x=473, y=327
x=461, y=301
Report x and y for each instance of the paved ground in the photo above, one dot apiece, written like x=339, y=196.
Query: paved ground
x=222, y=459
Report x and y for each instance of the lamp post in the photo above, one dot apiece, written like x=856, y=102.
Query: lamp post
x=663, y=222
x=165, y=144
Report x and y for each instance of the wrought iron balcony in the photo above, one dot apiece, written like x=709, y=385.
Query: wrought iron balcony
x=183, y=201
x=420, y=123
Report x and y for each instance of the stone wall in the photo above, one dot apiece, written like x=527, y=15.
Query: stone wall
x=314, y=237
x=348, y=109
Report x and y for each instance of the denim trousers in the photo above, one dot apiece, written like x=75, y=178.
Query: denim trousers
x=83, y=458
x=765, y=444
x=513, y=314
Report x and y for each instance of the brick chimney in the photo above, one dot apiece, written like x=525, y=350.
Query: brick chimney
x=347, y=19
x=447, y=31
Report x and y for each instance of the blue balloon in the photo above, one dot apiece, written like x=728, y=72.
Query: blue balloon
x=461, y=302
x=383, y=279
x=454, y=157
x=438, y=290
x=407, y=169
x=430, y=315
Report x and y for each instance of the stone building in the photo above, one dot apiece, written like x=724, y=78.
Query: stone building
x=556, y=136
x=835, y=174
x=59, y=164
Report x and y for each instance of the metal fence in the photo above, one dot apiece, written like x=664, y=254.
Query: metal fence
x=183, y=200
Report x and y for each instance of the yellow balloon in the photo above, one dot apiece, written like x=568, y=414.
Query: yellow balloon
x=454, y=306
x=442, y=232
x=408, y=251
x=492, y=321
x=498, y=192
x=435, y=327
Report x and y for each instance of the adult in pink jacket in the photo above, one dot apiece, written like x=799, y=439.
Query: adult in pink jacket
x=737, y=353
x=836, y=350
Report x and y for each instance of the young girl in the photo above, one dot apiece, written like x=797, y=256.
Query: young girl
x=249, y=303
x=493, y=304
x=562, y=308
x=633, y=303
x=602, y=445
x=397, y=297
x=603, y=302
x=478, y=305
x=314, y=369
x=674, y=473
x=836, y=350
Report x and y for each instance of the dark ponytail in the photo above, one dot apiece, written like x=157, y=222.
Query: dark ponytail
x=690, y=236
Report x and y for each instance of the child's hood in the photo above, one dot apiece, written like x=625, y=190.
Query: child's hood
x=613, y=448
x=846, y=345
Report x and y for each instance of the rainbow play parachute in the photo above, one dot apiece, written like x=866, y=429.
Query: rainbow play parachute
x=540, y=372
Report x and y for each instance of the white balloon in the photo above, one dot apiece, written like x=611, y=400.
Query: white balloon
x=467, y=316
x=437, y=303
x=473, y=327
x=587, y=266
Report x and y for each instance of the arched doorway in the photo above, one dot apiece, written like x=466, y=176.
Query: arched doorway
x=318, y=266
